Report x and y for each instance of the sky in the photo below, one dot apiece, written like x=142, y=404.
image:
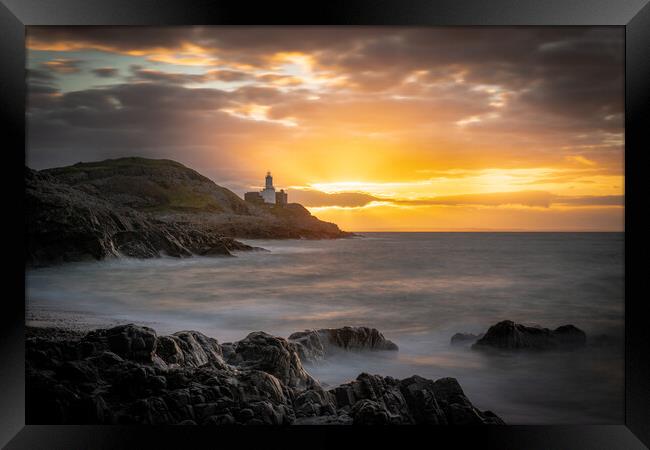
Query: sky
x=373, y=128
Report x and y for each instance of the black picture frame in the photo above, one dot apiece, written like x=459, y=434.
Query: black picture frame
x=633, y=15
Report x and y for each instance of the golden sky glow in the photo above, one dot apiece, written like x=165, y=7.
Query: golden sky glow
x=371, y=128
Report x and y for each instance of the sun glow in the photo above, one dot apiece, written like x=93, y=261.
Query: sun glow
x=368, y=130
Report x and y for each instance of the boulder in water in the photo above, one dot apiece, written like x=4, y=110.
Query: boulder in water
x=314, y=345
x=508, y=335
x=464, y=338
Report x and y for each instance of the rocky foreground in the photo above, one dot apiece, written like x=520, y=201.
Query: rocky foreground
x=130, y=375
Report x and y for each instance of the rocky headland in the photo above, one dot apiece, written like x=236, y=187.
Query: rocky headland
x=130, y=375
x=145, y=208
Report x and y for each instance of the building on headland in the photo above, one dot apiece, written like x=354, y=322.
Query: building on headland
x=267, y=195
x=281, y=198
x=253, y=197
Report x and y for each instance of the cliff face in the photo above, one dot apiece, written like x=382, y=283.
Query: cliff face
x=66, y=224
x=144, y=208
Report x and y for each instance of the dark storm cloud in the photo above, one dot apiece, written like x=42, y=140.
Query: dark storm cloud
x=145, y=119
x=106, y=72
x=130, y=106
x=565, y=71
x=41, y=82
x=572, y=73
x=140, y=73
x=40, y=89
x=227, y=75
x=40, y=76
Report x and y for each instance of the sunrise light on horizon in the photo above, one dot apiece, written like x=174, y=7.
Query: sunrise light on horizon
x=373, y=128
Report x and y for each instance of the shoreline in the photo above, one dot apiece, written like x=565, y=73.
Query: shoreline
x=255, y=381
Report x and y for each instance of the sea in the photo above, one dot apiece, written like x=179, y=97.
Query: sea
x=418, y=289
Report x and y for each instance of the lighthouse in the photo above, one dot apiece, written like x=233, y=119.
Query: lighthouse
x=268, y=193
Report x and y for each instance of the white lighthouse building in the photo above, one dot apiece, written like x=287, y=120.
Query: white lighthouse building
x=268, y=193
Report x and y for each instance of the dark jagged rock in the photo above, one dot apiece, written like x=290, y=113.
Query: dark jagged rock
x=271, y=354
x=377, y=400
x=313, y=345
x=508, y=335
x=464, y=338
x=189, y=349
x=128, y=341
x=569, y=336
x=129, y=375
x=67, y=224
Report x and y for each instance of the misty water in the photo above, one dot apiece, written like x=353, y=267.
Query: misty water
x=418, y=289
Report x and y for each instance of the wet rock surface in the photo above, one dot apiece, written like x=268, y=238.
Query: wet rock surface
x=508, y=335
x=464, y=338
x=130, y=375
x=261, y=351
x=314, y=345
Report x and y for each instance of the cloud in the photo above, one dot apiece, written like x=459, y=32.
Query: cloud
x=580, y=160
x=144, y=119
x=41, y=76
x=568, y=80
x=63, y=65
x=539, y=199
x=591, y=200
x=314, y=198
x=533, y=199
x=227, y=75
x=41, y=87
x=41, y=82
x=106, y=72
x=392, y=96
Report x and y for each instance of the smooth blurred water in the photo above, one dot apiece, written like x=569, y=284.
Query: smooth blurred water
x=417, y=288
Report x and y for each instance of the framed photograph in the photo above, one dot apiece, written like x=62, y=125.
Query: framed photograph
x=313, y=221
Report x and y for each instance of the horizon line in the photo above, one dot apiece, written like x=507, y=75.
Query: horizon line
x=482, y=230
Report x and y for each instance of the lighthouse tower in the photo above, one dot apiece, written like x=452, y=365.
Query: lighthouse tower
x=268, y=193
